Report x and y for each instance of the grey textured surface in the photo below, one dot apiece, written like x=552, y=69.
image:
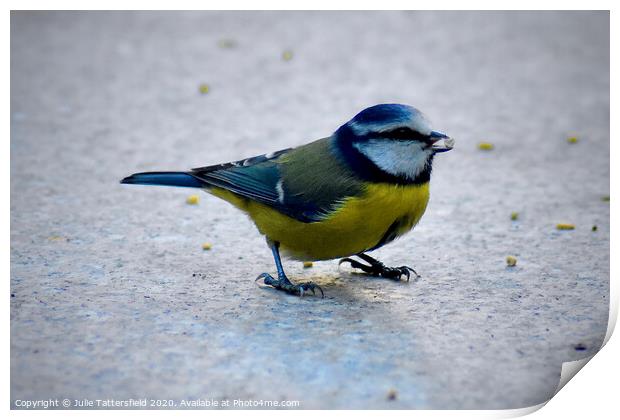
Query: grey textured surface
x=105, y=304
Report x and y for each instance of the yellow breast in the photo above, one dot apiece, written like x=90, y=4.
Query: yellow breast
x=359, y=224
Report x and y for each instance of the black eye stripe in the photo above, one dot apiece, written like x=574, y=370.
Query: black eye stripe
x=403, y=133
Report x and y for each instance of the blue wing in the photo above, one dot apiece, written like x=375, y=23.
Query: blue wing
x=306, y=183
x=256, y=178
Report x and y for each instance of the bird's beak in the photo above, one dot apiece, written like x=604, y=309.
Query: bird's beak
x=448, y=142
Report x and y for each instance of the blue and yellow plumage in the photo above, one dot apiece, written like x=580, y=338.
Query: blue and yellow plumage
x=343, y=195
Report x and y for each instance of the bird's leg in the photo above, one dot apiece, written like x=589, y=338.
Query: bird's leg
x=282, y=282
x=377, y=268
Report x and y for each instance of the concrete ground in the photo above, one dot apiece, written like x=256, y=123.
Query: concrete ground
x=113, y=297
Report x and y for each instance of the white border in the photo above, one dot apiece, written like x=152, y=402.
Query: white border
x=592, y=395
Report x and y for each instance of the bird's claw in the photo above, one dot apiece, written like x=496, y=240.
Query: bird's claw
x=263, y=277
x=379, y=269
x=398, y=272
x=285, y=285
x=309, y=286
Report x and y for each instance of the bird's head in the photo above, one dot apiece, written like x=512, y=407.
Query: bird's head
x=391, y=142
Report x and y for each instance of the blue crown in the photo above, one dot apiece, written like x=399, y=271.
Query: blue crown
x=383, y=113
x=385, y=117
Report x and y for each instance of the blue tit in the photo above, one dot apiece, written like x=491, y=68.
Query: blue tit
x=340, y=196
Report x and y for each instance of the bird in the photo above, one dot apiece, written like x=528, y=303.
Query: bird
x=341, y=196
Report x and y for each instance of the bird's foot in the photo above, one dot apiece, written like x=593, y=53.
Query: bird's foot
x=377, y=268
x=284, y=284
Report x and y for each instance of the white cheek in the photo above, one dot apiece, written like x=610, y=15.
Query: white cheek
x=399, y=158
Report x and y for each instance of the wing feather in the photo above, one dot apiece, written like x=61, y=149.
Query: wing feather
x=305, y=183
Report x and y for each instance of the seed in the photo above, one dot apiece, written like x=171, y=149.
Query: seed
x=392, y=394
x=308, y=264
x=485, y=146
x=565, y=226
x=287, y=55
x=514, y=215
x=206, y=246
x=204, y=88
x=511, y=261
x=227, y=43
x=192, y=199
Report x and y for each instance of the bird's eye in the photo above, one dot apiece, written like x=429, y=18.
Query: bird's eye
x=402, y=133
x=406, y=133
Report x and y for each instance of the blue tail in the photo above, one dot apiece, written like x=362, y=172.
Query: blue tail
x=171, y=179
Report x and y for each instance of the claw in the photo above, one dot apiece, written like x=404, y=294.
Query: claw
x=406, y=271
x=349, y=260
x=376, y=268
x=312, y=287
x=261, y=276
x=417, y=276
x=412, y=270
x=267, y=279
x=286, y=286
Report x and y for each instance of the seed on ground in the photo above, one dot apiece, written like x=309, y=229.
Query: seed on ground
x=193, y=199
x=565, y=226
x=287, y=55
x=511, y=261
x=392, y=394
x=485, y=146
x=227, y=43
x=207, y=246
x=308, y=264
